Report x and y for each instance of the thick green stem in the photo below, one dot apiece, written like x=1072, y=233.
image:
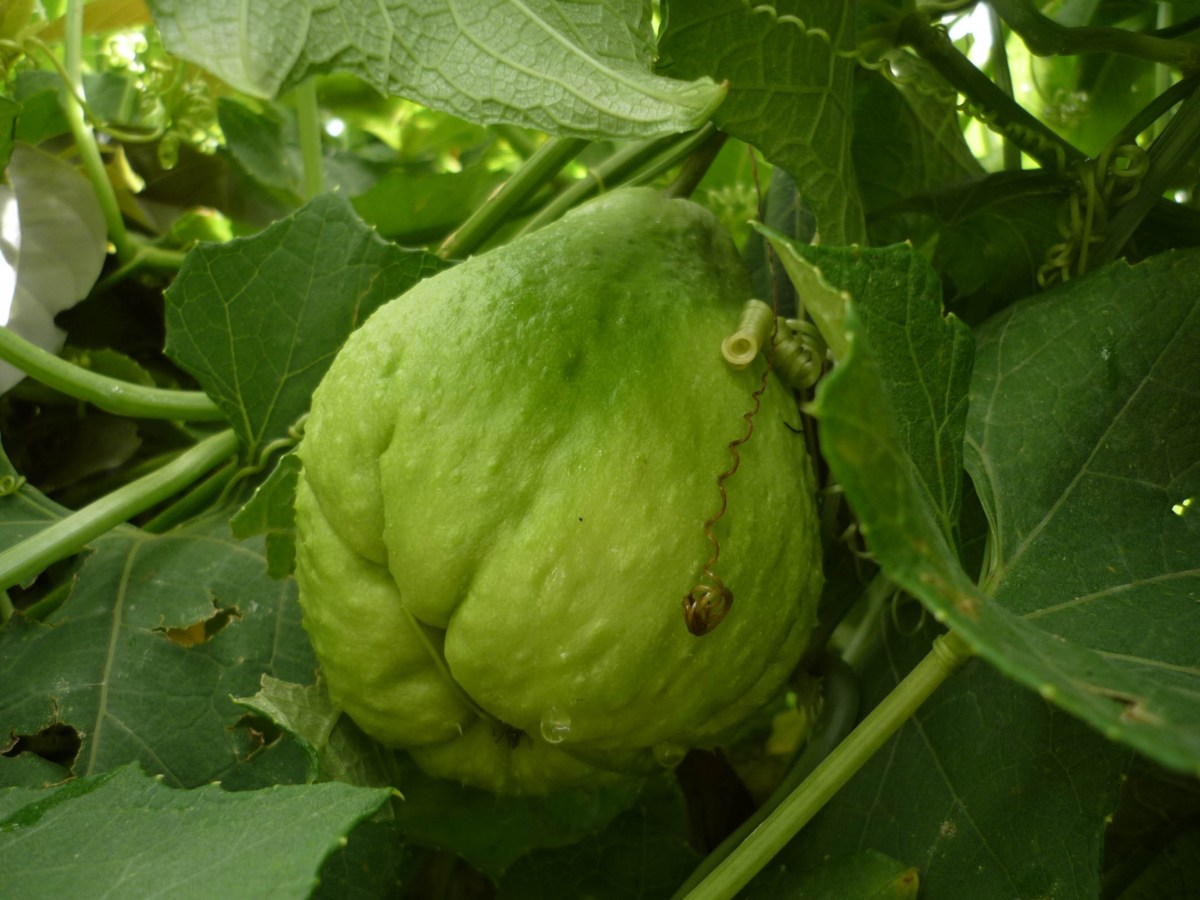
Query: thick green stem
x=735, y=871
x=1000, y=112
x=696, y=166
x=998, y=60
x=69, y=535
x=146, y=256
x=109, y=394
x=1045, y=37
x=615, y=170
x=308, y=116
x=1171, y=153
x=674, y=155
x=840, y=694
x=525, y=182
x=85, y=140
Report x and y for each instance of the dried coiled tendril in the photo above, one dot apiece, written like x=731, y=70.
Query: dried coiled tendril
x=710, y=601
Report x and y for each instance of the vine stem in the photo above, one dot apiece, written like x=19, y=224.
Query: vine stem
x=839, y=712
x=1034, y=137
x=72, y=533
x=109, y=394
x=308, y=121
x=546, y=162
x=1045, y=37
x=949, y=652
x=610, y=173
x=85, y=139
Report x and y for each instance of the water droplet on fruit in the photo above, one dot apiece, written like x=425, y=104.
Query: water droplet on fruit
x=555, y=726
x=669, y=753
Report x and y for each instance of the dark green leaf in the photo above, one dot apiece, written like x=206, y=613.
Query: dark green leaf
x=1084, y=444
x=487, y=830
x=923, y=357
x=9, y=110
x=259, y=320
x=490, y=831
x=269, y=512
x=580, y=70
x=865, y=875
x=423, y=208
x=989, y=792
x=993, y=235
x=790, y=90
x=642, y=855
x=258, y=143
x=906, y=139
x=142, y=657
x=1081, y=429
x=125, y=834
x=1174, y=873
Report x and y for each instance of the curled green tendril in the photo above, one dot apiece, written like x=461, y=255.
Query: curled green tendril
x=1109, y=181
x=10, y=484
x=799, y=353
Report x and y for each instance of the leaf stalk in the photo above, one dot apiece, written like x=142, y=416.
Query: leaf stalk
x=540, y=168
x=85, y=139
x=72, y=533
x=109, y=394
x=949, y=652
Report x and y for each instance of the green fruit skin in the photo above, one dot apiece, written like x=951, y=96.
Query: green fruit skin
x=506, y=476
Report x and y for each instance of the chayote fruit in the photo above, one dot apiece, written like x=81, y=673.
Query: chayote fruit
x=506, y=477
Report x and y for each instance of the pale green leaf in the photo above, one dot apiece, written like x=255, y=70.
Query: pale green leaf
x=123, y=834
x=258, y=320
x=580, y=69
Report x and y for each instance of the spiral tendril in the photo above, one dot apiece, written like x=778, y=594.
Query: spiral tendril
x=710, y=601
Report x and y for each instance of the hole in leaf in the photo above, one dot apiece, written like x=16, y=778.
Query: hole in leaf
x=203, y=631
x=58, y=743
x=253, y=734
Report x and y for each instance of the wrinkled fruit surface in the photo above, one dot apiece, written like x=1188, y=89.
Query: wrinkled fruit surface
x=506, y=476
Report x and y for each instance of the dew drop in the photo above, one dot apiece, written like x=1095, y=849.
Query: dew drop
x=669, y=753
x=555, y=726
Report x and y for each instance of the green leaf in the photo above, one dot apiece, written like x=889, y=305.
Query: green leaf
x=923, y=357
x=425, y=207
x=487, y=830
x=9, y=111
x=1078, y=468
x=1174, y=873
x=269, y=512
x=142, y=657
x=1084, y=444
x=257, y=321
x=644, y=853
x=491, y=832
x=906, y=139
x=578, y=70
x=791, y=90
x=866, y=875
x=989, y=792
x=259, y=144
x=123, y=833
x=337, y=750
x=994, y=233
